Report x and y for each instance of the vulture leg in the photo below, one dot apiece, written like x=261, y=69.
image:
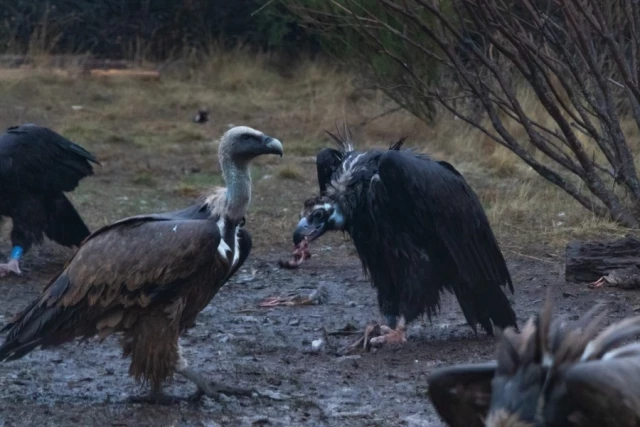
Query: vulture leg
x=13, y=265
x=207, y=388
x=10, y=267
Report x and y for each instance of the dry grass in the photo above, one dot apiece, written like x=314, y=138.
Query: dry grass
x=151, y=151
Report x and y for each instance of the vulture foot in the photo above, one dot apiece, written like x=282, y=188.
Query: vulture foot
x=598, y=283
x=377, y=335
x=157, y=398
x=11, y=267
x=212, y=389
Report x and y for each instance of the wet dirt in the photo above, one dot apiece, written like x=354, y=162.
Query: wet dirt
x=270, y=349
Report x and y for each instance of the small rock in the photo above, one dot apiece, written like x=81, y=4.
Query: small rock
x=568, y=294
x=226, y=338
x=346, y=358
x=294, y=322
x=316, y=345
x=352, y=303
x=274, y=395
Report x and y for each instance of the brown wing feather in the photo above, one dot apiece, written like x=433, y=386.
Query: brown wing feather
x=125, y=266
x=462, y=394
x=607, y=391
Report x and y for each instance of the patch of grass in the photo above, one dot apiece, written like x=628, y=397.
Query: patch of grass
x=290, y=172
x=202, y=180
x=144, y=178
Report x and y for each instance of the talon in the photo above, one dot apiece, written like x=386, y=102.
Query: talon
x=376, y=335
x=11, y=267
x=598, y=283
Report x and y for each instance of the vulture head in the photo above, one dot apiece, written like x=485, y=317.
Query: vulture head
x=318, y=216
x=241, y=144
x=553, y=373
x=321, y=214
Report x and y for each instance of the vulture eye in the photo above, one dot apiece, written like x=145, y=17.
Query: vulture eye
x=317, y=215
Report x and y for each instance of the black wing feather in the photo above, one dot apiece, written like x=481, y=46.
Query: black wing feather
x=327, y=161
x=38, y=159
x=432, y=201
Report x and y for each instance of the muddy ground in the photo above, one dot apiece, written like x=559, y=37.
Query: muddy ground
x=237, y=342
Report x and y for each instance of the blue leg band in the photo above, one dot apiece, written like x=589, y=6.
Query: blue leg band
x=16, y=253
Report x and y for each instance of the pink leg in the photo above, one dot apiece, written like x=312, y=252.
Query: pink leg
x=11, y=267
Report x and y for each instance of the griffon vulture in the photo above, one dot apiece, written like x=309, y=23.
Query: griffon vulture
x=418, y=229
x=37, y=166
x=147, y=277
x=552, y=374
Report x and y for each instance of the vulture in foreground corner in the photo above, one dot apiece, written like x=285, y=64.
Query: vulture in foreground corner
x=148, y=276
x=552, y=374
x=37, y=166
x=418, y=229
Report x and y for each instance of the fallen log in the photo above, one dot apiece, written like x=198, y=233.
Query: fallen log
x=120, y=72
x=589, y=261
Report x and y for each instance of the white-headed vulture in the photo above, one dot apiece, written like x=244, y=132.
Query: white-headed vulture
x=554, y=373
x=418, y=229
x=37, y=166
x=149, y=276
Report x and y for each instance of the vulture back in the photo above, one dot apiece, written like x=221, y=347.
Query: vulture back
x=553, y=373
x=35, y=158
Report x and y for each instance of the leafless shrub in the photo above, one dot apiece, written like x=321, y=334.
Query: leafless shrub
x=579, y=58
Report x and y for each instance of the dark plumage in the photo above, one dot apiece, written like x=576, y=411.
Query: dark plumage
x=149, y=276
x=202, y=117
x=552, y=374
x=37, y=166
x=418, y=228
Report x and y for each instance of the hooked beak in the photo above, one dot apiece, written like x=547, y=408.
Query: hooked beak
x=273, y=145
x=304, y=229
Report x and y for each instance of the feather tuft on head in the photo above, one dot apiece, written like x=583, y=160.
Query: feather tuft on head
x=343, y=140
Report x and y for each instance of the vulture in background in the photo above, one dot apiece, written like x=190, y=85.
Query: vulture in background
x=552, y=374
x=37, y=166
x=418, y=229
x=148, y=276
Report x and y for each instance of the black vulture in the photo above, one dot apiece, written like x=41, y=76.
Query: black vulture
x=554, y=373
x=327, y=161
x=37, y=166
x=418, y=229
x=149, y=276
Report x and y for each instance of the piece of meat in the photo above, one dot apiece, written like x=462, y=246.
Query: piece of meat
x=300, y=254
